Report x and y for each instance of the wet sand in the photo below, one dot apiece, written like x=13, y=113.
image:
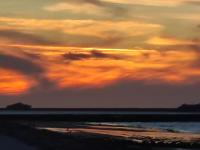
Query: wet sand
x=137, y=135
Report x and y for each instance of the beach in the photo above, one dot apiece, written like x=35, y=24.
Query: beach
x=78, y=136
x=136, y=135
x=133, y=133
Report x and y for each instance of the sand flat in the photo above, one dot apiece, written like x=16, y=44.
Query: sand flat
x=133, y=133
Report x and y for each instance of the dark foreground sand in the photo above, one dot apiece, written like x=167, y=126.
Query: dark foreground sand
x=10, y=143
x=97, y=137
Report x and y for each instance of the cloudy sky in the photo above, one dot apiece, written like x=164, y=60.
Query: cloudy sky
x=100, y=53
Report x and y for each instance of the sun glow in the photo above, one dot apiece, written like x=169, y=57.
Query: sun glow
x=13, y=83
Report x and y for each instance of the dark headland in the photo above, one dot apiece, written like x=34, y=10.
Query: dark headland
x=183, y=107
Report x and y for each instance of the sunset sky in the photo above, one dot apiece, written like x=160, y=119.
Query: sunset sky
x=100, y=53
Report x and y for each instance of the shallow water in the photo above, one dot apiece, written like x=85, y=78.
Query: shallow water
x=192, y=127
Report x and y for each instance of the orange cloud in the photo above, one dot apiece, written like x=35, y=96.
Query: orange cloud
x=149, y=66
x=100, y=29
x=150, y=2
x=170, y=41
x=74, y=8
x=13, y=83
x=73, y=67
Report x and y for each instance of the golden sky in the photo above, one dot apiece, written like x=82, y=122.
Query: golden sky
x=69, y=46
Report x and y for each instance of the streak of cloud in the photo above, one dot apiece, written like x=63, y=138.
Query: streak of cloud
x=94, y=54
x=14, y=36
x=20, y=64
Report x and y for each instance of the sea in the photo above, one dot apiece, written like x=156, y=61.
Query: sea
x=186, y=127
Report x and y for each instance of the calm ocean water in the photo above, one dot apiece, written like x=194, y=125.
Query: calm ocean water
x=90, y=112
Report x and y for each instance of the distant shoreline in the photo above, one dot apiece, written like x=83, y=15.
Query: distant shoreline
x=20, y=111
x=183, y=108
x=107, y=109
